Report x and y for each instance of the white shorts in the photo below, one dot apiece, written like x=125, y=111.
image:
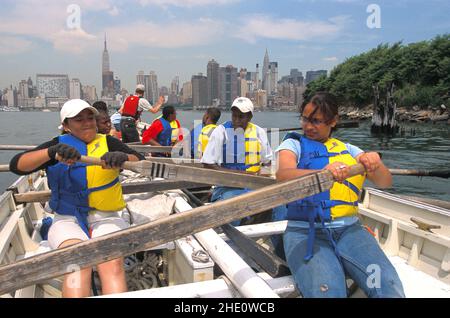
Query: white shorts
x=66, y=227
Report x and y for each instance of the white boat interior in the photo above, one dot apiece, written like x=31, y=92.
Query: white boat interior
x=414, y=235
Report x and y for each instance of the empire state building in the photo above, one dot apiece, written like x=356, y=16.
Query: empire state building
x=107, y=75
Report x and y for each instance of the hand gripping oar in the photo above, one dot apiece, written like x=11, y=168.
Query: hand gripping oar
x=55, y=263
x=268, y=261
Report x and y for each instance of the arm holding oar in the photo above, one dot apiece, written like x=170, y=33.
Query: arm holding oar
x=324, y=234
x=80, y=191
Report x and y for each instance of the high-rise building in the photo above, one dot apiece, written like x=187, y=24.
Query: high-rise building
x=199, y=90
x=107, y=75
x=265, y=73
x=242, y=82
x=175, y=86
x=75, y=91
x=53, y=85
x=212, y=81
x=273, y=77
x=11, y=97
x=117, y=86
x=23, y=89
x=151, y=87
x=228, y=85
x=313, y=75
x=89, y=92
x=187, y=93
x=140, y=78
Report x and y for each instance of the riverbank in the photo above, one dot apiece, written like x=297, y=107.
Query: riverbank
x=432, y=114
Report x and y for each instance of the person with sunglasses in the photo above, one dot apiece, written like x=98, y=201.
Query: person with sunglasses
x=324, y=241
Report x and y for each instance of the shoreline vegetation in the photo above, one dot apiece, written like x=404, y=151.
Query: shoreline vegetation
x=416, y=76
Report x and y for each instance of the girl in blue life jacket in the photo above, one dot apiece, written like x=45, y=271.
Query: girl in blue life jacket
x=86, y=200
x=324, y=240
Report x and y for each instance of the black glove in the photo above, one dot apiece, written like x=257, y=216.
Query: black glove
x=66, y=152
x=115, y=159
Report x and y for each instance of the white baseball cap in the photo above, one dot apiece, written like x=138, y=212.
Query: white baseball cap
x=140, y=87
x=73, y=107
x=244, y=104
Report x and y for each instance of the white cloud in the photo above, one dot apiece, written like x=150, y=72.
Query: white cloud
x=74, y=41
x=263, y=26
x=13, y=45
x=185, y=3
x=48, y=22
x=174, y=35
x=330, y=59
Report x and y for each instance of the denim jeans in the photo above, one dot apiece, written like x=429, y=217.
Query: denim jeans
x=325, y=275
x=224, y=193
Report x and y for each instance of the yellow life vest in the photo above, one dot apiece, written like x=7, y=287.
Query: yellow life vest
x=203, y=138
x=109, y=199
x=233, y=159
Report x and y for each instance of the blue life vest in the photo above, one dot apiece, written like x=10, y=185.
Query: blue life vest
x=241, y=151
x=340, y=201
x=69, y=187
x=165, y=136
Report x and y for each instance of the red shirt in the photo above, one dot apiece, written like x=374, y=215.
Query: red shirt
x=155, y=129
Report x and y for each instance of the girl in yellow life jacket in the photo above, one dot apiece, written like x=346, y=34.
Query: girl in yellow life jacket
x=86, y=199
x=324, y=240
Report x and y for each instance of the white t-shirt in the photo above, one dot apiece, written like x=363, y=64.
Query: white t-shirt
x=213, y=152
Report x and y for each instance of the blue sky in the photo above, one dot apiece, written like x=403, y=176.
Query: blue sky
x=178, y=37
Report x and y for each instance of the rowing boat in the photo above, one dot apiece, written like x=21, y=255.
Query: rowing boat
x=414, y=235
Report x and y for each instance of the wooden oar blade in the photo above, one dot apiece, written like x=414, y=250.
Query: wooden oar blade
x=200, y=175
x=55, y=263
x=421, y=173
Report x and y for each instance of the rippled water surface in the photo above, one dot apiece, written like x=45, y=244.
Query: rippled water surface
x=423, y=146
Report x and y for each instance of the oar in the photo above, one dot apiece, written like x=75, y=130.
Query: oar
x=55, y=263
x=138, y=148
x=421, y=173
x=127, y=188
x=344, y=124
x=191, y=174
x=4, y=168
x=268, y=261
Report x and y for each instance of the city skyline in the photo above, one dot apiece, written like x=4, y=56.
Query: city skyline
x=178, y=38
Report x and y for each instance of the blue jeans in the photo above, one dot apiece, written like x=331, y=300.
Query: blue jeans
x=325, y=276
x=224, y=193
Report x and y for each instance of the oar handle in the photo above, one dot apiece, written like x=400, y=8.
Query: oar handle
x=129, y=165
x=4, y=168
x=356, y=169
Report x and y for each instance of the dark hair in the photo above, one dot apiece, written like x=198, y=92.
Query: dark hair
x=214, y=113
x=167, y=111
x=326, y=103
x=101, y=106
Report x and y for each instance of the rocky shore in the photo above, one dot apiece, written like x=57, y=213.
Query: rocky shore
x=432, y=114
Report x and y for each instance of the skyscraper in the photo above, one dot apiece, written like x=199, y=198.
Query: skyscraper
x=75, y=89
x=199, y=90
x=313, y=75
x=105, y=59
x=212, y=81
x=273, y=78
x=53, y=85
x=265, y=73
x=228, y=85
x=107, y=74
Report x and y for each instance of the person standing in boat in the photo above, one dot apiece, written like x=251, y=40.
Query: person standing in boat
x=103, y=120
x=131, y=111
x=164, y=131
x=87, y=200
x=201, y=133
x=324, y=240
